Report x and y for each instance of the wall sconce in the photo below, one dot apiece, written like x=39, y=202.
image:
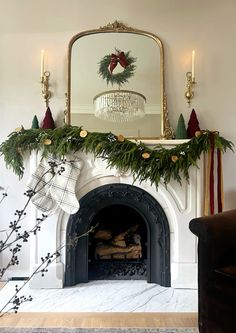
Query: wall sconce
x=45, y=75
x=190, y=81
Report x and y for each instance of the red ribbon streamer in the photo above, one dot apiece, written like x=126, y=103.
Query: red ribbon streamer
x=212, y=142
x=219, y=181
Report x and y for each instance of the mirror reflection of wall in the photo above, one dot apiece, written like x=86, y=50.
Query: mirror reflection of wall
x=147, y=127
x=86, y=54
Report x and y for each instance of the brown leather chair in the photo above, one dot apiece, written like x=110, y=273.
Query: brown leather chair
x=216, y=271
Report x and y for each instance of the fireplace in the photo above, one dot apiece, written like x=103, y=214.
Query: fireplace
x=131, y=238
x=169, y=249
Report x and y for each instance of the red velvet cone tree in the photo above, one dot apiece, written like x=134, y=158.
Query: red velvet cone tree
x=48, y=121
x=193, y=125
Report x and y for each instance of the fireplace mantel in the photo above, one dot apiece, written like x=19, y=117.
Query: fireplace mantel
x=180, y=203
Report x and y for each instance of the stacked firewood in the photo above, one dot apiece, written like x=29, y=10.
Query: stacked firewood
x=125, y=245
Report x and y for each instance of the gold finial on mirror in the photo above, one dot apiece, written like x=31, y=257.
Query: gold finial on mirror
x=116, y=26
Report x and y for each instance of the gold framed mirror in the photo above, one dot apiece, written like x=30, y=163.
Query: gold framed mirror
x=128, y=98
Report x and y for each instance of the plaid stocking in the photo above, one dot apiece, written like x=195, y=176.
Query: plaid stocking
x=63, y=186
x=40, y=183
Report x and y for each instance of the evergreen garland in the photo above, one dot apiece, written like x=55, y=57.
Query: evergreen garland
x=144, y=162
x=118, y=78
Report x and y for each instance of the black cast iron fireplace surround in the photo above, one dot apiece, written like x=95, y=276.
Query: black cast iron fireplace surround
x=118, y=198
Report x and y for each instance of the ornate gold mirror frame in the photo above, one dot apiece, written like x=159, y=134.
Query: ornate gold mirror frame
x=117, y=27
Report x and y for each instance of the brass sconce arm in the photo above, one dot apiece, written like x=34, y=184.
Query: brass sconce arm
x=190, y=83
x=46, y=93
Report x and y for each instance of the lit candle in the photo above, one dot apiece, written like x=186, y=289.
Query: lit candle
x=193, y=64
x=42, y=63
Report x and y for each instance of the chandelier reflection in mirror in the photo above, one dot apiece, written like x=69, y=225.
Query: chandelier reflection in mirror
x=119, y=105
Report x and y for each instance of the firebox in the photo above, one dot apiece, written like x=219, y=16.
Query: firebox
x=130, y=238
x=118, y=247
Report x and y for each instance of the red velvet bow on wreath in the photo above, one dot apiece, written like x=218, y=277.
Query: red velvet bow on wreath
x=118, y=58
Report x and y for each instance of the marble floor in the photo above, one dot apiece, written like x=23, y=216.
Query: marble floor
x=105, y=296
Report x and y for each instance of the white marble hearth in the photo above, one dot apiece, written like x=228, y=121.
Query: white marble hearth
x=105, y=296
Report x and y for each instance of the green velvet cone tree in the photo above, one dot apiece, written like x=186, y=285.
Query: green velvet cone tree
x=181, y=132
x=35, y=122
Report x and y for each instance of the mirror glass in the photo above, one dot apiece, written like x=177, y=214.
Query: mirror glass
x=87, y=50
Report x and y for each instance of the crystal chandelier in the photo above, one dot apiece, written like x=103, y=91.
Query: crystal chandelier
x=119, y=105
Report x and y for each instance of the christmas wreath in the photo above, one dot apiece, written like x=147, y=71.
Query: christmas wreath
x=109, y=63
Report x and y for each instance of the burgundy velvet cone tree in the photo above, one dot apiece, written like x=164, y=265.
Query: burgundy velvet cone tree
x=48, y=121
x=193, y=125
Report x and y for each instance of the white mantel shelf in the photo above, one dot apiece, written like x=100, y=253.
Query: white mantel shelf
x=155, y=142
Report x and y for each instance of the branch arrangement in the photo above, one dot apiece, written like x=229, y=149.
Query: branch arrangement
x=144, y=162
x=15, y=301
x=15, y=237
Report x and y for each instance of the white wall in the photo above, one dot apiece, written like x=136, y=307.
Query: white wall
x=27, y=26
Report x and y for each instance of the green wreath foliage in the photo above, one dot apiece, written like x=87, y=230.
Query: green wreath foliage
x=161, y=164
x=118, y=78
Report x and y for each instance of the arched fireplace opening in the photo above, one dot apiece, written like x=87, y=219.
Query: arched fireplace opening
x=131, y=239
